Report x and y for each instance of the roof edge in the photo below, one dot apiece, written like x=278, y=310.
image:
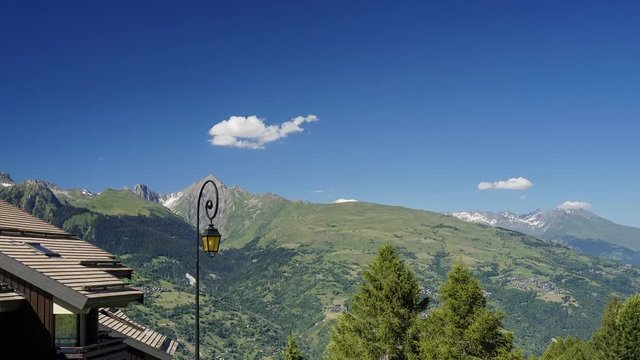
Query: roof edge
x=118, y=301
x=43, y=282
x=139, y=345
x=148, y=349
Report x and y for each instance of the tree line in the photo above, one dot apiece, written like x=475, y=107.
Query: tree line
x=388, y=320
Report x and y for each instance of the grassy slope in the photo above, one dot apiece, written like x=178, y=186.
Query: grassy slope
x=301, y=261
x=295, y=264
x=119, y=202
x=516, y=268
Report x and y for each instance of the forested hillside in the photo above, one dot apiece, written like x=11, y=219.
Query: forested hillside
x=293, y=267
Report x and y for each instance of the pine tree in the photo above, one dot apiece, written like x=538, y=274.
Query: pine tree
x=291, y=351
x=570, y=348
x=629, y=327
x=461, y=327
x=606, y=339
x=381, y=313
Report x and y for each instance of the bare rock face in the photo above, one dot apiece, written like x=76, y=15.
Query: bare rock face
x=33, y=196
x=247, y=209
x=143, y=191
x=184, y=202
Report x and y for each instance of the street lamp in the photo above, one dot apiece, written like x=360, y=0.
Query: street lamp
x=210, y=244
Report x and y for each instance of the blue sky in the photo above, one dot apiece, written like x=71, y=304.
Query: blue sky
x=417, y=102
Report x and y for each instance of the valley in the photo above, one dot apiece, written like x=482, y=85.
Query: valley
x=288, y=268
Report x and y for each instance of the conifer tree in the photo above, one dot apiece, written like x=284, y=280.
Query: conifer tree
x=570, y=348
x=617, y=338
x=629, y=328
x=606, y=340
x=461, y=327
x=380, y=314
x=291, y=351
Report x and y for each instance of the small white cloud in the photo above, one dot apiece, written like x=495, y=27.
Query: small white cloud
x=522, y=197
x=574, y=205
x=318, y=191
x=340, y=201
x=251, y=132
x=518, y=183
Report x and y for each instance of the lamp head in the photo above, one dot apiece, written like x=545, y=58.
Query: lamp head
x=211, y=240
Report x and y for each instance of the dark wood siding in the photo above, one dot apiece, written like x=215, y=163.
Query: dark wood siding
x=92, y=326
x=135, y=354
x=34, y=332
x=40, y=301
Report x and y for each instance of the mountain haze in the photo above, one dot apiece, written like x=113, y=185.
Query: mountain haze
x=576, y=228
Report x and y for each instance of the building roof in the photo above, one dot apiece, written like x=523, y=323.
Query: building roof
x=9, y=299
x=74, y=271
x=137, y=336
x=15, y=220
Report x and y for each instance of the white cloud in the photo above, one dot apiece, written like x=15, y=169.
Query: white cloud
x=318, y=191
x=522, y=197
x=574, y=205
x=251, y=132
x=518, y=183
x=340, y=201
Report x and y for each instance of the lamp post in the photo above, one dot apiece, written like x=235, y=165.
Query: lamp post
x=210, y=244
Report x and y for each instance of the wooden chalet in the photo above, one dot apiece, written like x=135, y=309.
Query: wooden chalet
x=59, y=297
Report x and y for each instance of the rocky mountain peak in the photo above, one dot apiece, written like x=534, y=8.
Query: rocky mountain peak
x=33, y=196
x=6, y=180
x=209, y=177
x=143, y=191
x=535, y=212
x=572, y=213
x=38, y=183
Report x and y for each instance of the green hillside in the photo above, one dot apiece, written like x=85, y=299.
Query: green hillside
x=120, y=202
x=288, y=268
x=547, y=290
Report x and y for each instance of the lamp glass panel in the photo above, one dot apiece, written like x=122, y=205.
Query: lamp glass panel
x=214, y=243
x=205, y=243
x=211, y=243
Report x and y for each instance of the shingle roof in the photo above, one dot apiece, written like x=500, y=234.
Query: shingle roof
x=73, y=270
x=138, y=336
x=16, y=220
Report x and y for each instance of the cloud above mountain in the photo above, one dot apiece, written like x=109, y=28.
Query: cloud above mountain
x=574, y=205
x=251, y=132
x=340, y=201
x=519, y=183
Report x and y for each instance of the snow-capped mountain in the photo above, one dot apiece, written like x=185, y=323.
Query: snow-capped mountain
x=576, y=228
x=171, y=200
x=505, y=219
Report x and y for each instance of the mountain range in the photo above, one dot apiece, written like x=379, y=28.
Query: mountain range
x=576, y=228
x=289, y=267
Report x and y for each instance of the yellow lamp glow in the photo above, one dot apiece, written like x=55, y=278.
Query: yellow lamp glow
x=211, y=240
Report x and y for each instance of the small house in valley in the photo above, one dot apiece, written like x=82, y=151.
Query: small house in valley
x=60, y=297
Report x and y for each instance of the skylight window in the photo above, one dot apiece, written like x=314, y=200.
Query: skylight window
x=43, y=250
